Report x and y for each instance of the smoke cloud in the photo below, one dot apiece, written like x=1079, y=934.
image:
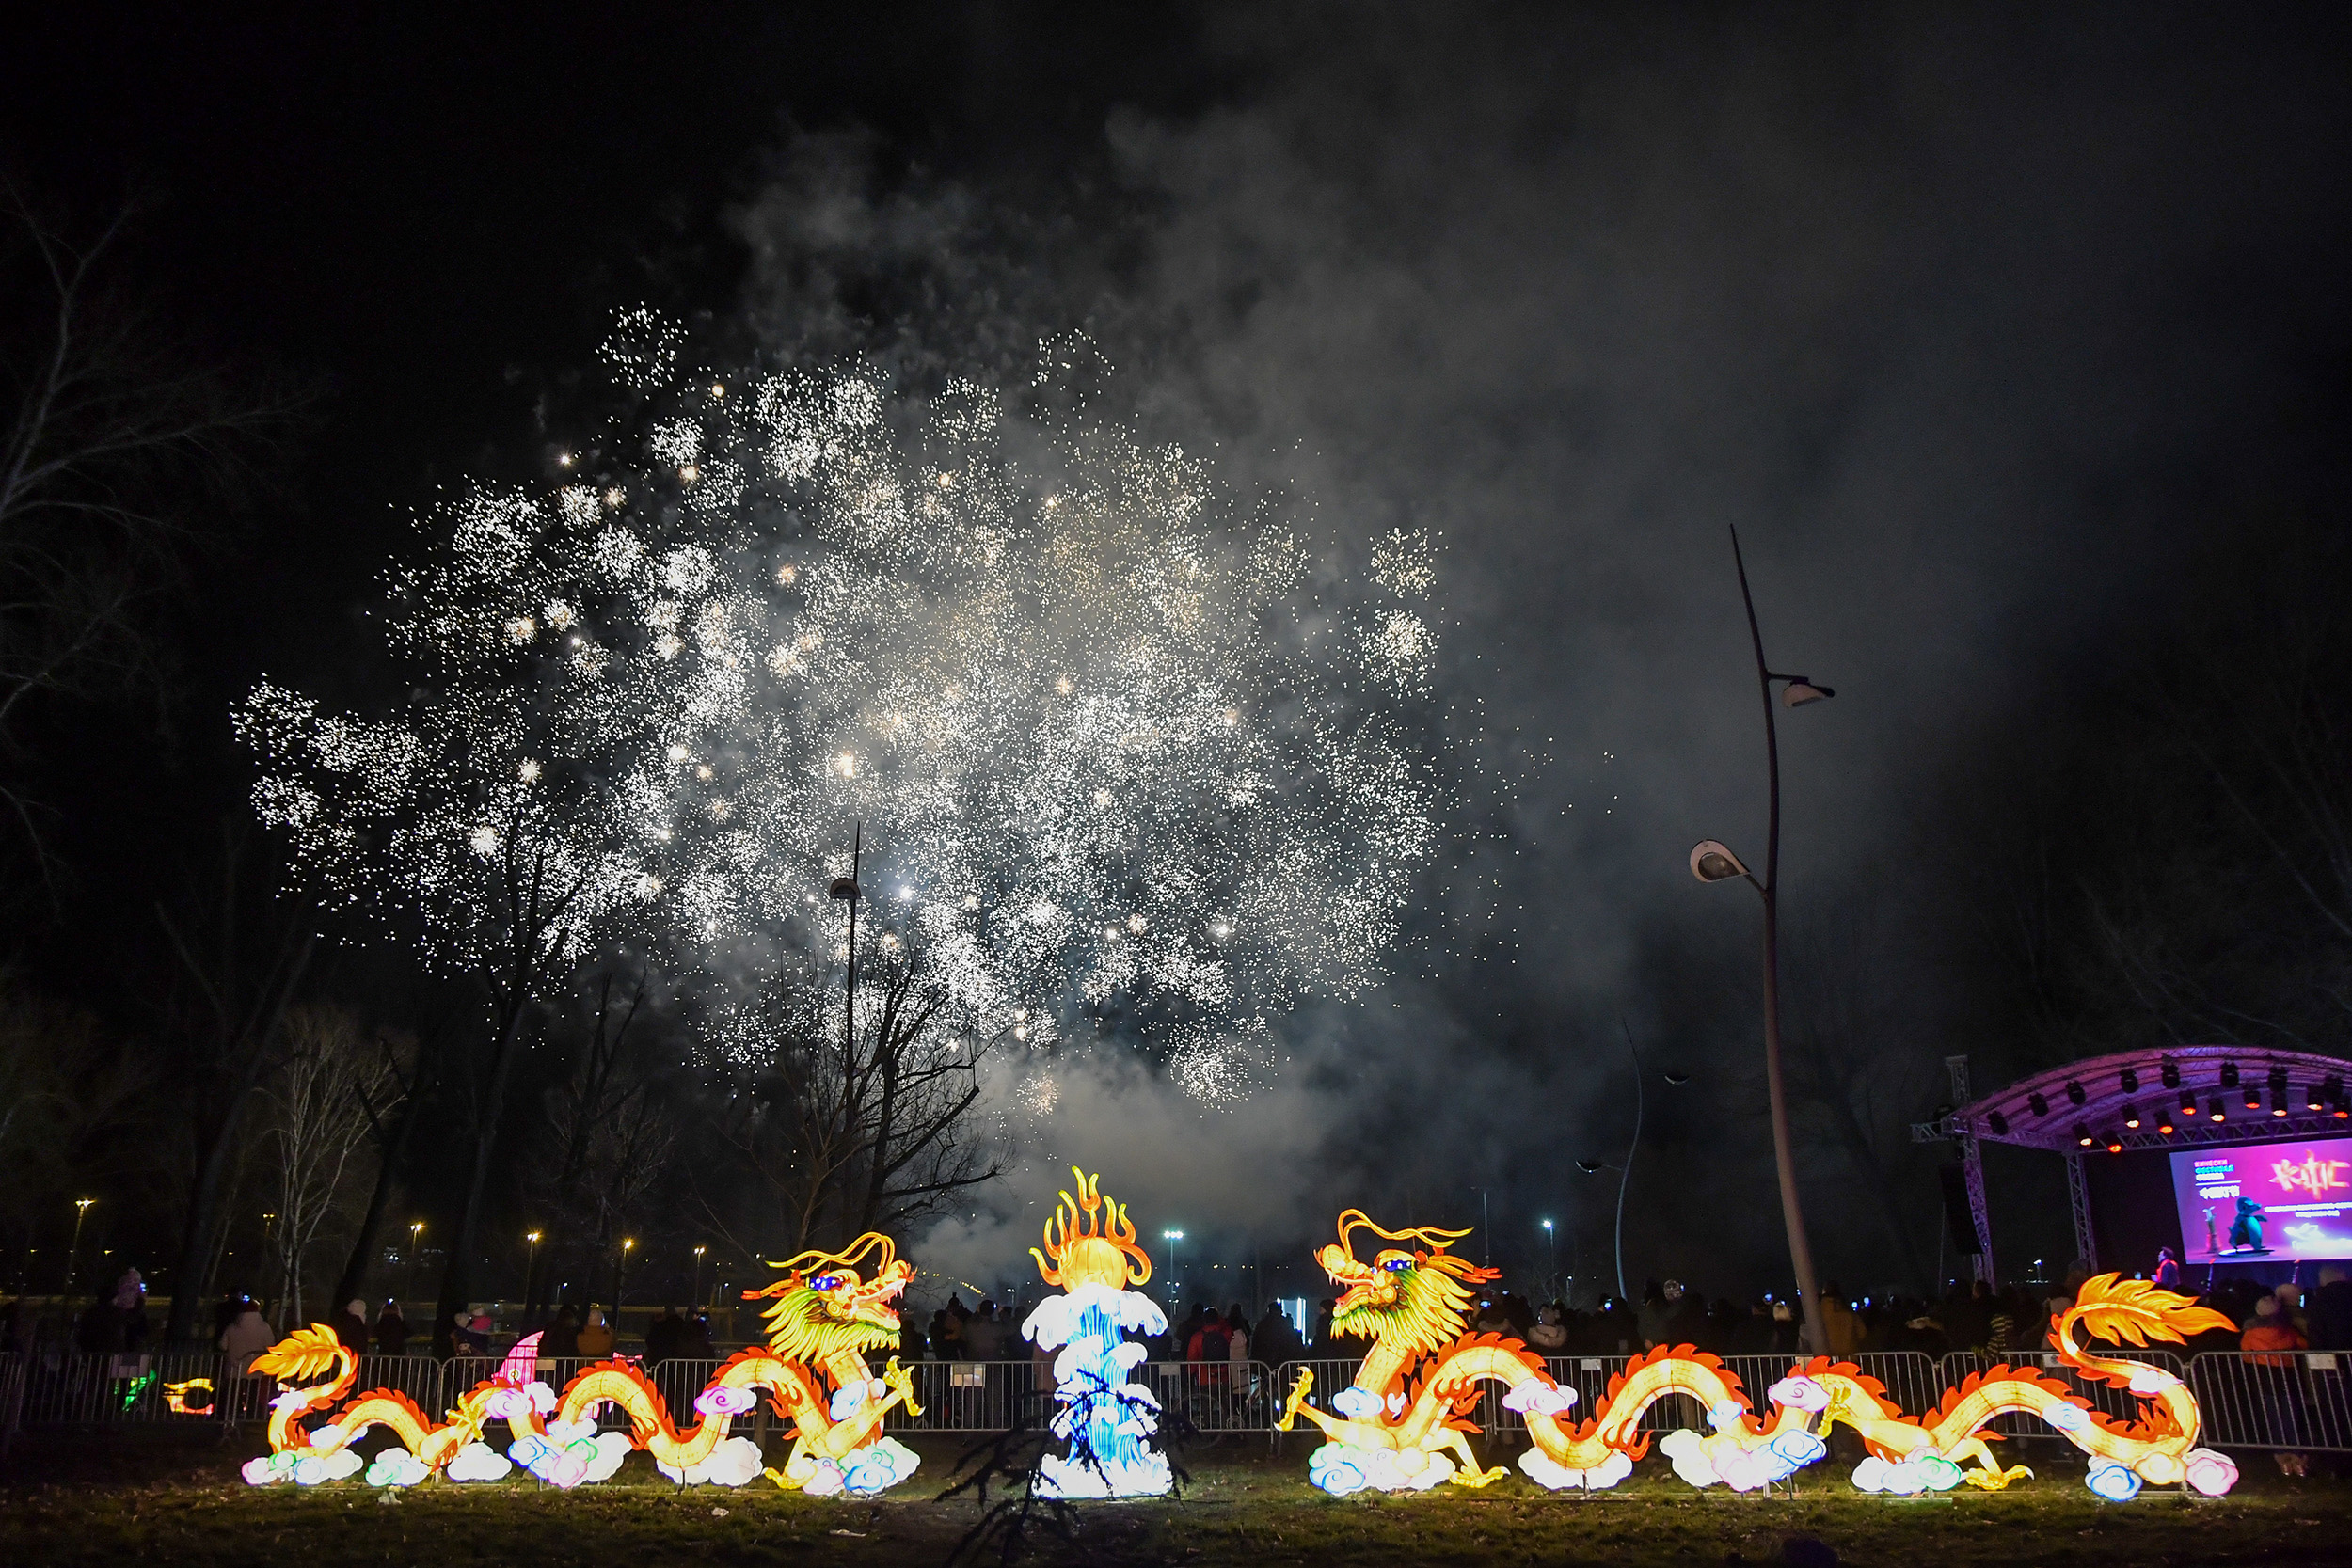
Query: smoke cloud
x=1936, y=310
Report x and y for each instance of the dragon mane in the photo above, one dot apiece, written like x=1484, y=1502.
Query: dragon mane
x=800, y=1324
x=1433, y=1305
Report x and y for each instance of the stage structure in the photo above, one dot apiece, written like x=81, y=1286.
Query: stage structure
x=823, y=1320
x=1111, y=1425
x=1405, y=1421
x=2186, y=1098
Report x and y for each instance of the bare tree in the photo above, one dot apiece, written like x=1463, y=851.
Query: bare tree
x=610, y=1133
x=856, y=1129
x=232, y=1000
x=119, y=448
x=330, y=1076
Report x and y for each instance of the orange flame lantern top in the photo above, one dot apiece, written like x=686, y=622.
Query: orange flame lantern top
x=1090, y=1241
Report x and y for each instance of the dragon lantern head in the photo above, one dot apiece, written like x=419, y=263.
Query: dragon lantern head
x=821, y=1306
x=1090, y=1241
x=1413, y=1300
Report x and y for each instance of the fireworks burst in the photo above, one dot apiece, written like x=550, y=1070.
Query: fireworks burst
x=1133, y=767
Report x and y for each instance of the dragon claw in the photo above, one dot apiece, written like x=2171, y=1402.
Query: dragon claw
x=1299, y=1397
x=1478, y=1478
x=1996, y=1481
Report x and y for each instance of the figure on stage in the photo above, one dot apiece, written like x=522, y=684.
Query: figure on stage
x=2246, y=1232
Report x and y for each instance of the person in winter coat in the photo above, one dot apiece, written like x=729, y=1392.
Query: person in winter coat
x=595, y=1337
x=391, y=1331
x=351, y=1327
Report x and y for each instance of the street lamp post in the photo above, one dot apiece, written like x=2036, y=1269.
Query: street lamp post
x=695, y=1296
x=415, y=1232
x=620, y=1280
x=531, y=1271
x=1711, y=861
x=1552, y=1253
x=846, y=889
x=81, y=1212
x=1171, y=1238
x=1624, y=1172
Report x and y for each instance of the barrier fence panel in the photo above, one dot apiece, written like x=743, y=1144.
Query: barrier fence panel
x=678, y=1381
x=2293, y=1401
x=2119, y=1403
x=992, y=1396
x=1911, y=1378
x=119, y=1391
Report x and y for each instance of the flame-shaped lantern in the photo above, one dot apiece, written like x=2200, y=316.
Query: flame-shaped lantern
x=1090, y=1241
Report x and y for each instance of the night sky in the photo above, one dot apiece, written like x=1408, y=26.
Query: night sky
x=1991, y=333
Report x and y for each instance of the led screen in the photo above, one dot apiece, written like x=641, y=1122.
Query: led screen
x=2285, y=1201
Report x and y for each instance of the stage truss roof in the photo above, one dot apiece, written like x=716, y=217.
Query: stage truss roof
x=2107, y=1102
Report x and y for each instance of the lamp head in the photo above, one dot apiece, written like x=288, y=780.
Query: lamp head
x=1711, y=861
x=1799, y=691
x=844, y=887
x=1590, y=1167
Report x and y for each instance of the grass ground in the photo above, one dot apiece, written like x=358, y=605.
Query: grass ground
x=137, y=1502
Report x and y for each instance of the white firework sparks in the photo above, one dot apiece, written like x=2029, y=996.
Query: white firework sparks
x=1118, y=765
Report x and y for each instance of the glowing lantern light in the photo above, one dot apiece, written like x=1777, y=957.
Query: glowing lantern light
x=1110, y=1424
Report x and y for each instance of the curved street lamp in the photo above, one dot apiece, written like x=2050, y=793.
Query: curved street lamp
x=1713, y=861
x=1624, y=1172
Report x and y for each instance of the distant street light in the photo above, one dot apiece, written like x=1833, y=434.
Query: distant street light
x=620, y=1280
x=531, y=1268
x=415, y=1232
x=1552, y=1252
x=1712, y=860
x=1171, y=1238
x=695, y=1296
x=81, y=1212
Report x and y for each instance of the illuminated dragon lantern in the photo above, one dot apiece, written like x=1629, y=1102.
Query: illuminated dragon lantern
x=823, y=1318
x=1405, y=1422
x=1109, y=1423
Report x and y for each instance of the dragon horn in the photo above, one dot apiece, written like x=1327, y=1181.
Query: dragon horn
x=1435, y=1236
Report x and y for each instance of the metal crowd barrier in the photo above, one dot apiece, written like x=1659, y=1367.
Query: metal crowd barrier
x=1960, y=1365
x=2292, y=1400
x=2297, y=1400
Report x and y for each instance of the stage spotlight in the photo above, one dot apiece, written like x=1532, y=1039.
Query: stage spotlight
x=2188, y=1103
x=2115, y=1144
x=2311, y=1101
x=1998, y=1122
x=2082, y=1134
x=2219, y=1114
x=2040, y=1106
x=2131, y=1080
x=2171, y=1073
x=2075, y=1092
x=2164, y=1123
x=2342, y=1110
x=2279, y=1079
x=2229, y=1075
x=2131, y=1114
x=2279, y=1099
x=2332, y=1089
x=2253, y=1097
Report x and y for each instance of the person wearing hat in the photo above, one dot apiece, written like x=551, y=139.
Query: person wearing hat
x=351, y=1327
x=2269, y=1331
x=392, y=1330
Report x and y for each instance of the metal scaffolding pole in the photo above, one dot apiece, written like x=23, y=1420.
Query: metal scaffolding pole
x=2078, y=1198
